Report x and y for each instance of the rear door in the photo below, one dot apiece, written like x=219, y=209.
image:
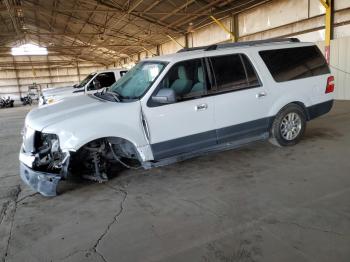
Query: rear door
x=187, y=125
x=241, y=101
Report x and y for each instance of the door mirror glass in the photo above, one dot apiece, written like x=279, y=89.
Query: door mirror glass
x=165, y=96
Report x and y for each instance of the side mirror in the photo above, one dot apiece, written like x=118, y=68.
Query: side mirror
x=165, y=96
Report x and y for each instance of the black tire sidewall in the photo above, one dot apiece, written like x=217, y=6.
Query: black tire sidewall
x=276, y=131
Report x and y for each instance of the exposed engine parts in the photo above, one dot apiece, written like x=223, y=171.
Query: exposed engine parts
x=98, y=158
x=94, y=162
x=48, y=153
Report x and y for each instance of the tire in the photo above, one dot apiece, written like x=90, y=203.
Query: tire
x=288, y=126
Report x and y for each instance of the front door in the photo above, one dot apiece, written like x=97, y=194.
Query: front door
x=187, y=125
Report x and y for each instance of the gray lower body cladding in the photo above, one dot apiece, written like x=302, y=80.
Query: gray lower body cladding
x=228, y=134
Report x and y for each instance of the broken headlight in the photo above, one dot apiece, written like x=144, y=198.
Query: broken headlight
x=28, y=135
x=48, y=151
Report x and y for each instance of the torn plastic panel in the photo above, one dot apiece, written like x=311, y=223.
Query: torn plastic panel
x=43, y=182
x=43, y=164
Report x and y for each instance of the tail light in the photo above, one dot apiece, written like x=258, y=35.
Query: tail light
x=330, y=85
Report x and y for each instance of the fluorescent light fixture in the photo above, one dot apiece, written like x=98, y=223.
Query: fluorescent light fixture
x=28, y=49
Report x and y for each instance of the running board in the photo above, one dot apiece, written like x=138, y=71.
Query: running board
x=206, y=151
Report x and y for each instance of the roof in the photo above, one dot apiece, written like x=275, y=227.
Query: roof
x=105, y=31
x=227, y=48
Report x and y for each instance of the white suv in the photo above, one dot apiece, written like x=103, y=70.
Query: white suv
x=91, y=83
x=173, y=107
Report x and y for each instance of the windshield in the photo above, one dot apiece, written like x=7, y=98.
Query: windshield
x=137, y=81
x=86, y=80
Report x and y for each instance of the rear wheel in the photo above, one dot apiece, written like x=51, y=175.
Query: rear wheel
x=289, y=126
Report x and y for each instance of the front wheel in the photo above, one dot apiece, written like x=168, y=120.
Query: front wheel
x=289, y=126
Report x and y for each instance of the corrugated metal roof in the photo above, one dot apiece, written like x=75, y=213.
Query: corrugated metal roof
x=104, y=31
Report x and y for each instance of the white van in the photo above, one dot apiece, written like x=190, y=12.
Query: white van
x=91, y=84
x=174, y=107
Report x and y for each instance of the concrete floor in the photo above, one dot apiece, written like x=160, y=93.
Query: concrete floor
x=258, y=203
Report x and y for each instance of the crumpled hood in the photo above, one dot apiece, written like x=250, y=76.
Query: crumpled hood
x=39, y=118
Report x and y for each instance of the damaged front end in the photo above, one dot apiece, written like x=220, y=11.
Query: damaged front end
x=42, y=162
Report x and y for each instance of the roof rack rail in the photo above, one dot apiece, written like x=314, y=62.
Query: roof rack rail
x=187, y=49
x=238, y=44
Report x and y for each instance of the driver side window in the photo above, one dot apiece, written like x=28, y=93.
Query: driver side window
x=102, y=80
x=188, y=79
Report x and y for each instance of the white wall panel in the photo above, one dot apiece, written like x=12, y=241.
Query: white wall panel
x=341, y=4
x=342, y=31
x=312, y=36
x=340, y=66
x=211, y=34
x=316, y=8
x=172, y=47
x=47, y=73
x=272, y=15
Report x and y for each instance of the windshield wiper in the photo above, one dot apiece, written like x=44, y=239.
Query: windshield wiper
x=108, y=96
x=103, y=91
x=116, y=96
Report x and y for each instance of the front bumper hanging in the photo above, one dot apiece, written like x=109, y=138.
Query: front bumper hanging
x=44, y=183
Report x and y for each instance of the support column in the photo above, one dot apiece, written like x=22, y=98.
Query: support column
x=49, y=69
x=139, y=57
x=187, y=41
x=78, y=71
x=328, y=4
x=235, y=27
x=17, y=78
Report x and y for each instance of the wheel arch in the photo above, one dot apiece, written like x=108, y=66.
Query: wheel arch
x=126, y=143
x=298, y=103
x=303, y=107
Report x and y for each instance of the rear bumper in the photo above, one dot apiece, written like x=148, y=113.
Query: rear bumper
x=44, y=183
x=319, y=109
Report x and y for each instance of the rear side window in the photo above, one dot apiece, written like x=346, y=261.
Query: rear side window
x=233, y=72
x=295, y=63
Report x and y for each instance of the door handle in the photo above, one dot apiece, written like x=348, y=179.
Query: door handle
x=201, y=107
x=261, y=94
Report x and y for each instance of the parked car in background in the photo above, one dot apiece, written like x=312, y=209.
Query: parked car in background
x=178, y=106
x=92, y=83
